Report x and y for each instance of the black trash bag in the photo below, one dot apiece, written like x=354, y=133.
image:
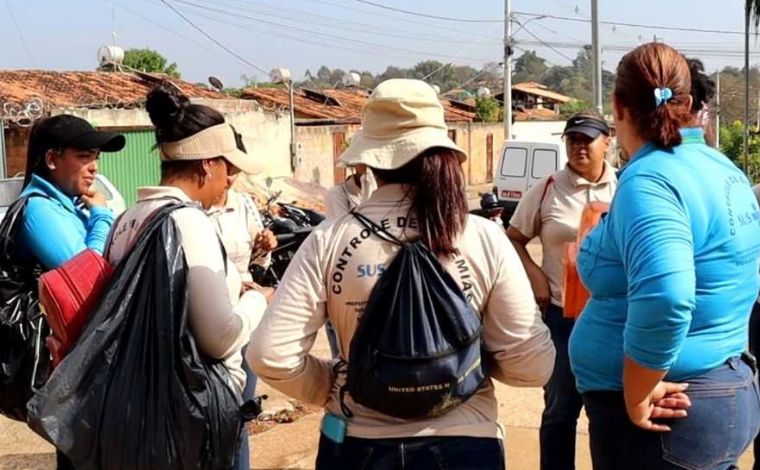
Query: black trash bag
x=416, y=352
x=135, y=392
x=24, y=359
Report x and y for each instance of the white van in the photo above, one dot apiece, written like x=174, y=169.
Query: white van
x=522, y=165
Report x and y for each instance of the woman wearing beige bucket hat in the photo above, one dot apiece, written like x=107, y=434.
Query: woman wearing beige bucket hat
x=420, y=195
x=200, y=155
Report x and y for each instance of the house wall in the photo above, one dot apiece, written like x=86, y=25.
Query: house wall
x=266, y=135
x=538, y=131
x=316, y=152
x=15, y=150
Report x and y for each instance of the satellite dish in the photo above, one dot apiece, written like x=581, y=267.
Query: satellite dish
x=110, y=55
x=483, y=92
x=437, y=89
x=280, y=75
x=216, y=83
x=351, y=79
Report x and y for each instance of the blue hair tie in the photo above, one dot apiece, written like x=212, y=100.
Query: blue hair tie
x=662, y=96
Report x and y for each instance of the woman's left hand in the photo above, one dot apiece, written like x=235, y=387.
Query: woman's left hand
x=265, y=241
x=666, y=401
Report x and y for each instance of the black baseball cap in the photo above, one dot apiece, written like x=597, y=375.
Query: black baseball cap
x=66, y=131
x=587, y=125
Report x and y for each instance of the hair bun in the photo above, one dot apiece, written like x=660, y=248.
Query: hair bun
x=166, y=107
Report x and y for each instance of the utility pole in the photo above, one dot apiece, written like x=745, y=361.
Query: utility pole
x=597, y=51
x=717, y=114
x=507, y=71
x=745, y=143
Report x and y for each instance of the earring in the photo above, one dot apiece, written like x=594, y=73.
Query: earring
x=51, y=167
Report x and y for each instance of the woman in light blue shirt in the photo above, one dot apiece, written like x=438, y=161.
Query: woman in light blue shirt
x=63, y=214
x=658, y=352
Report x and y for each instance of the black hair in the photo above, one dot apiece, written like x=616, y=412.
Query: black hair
x=35, y=155
x=702, y=85
x=175, y=118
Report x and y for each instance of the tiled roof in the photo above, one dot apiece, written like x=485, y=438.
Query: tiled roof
x=340, y=105
x=536, y=114
x=543, y=91
x=87, y=89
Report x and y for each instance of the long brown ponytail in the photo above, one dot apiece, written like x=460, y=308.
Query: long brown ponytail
x=439, y=200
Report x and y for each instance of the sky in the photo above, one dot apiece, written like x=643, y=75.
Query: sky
x=352, y=34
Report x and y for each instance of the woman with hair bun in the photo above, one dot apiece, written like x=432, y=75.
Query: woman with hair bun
x=659, y=350
x=200, y=155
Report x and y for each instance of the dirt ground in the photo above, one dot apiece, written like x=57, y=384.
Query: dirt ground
x=293, y=445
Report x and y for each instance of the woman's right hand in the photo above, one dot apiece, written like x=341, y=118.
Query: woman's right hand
x=541, y=289
x=93, y=199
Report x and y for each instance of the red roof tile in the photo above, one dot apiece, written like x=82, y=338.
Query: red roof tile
x=87, y=89
x=339, y=105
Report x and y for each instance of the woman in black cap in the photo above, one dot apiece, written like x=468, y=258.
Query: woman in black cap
x=551, y=210
x=62, y=161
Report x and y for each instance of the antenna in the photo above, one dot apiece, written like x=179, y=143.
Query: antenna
x=113, y=21
x=216, y=83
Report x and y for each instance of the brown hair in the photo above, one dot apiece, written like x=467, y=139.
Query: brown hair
x=640, y=72
x=439, y=200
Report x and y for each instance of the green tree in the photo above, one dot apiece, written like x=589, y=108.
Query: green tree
x=731, y=144
x=146, y=60
x=574, y=107
x=487, y=109
x=529, y=67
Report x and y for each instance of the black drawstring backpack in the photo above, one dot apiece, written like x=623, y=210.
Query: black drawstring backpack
x=416, y=350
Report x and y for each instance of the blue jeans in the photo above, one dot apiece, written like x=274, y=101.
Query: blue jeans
x=243, y=460
x=722, y=421
x=562, y=401
x=425, y=453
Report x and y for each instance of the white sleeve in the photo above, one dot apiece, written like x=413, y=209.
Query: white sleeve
x=219, y=329
x=279, y=349
x=521, y=352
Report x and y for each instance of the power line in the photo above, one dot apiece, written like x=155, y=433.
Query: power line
x=561, y=54
x=20, y=34
x=395, y=18
x=633, y=25
x=198, y=28
x=375, y=48
x=340, y=22
x=424, y=15
x=333, y=23
x=466, y=49
x=164, y=27
x=318, y=33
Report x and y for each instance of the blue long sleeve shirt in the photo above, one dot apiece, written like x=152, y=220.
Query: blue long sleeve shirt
x=672, y=269
x=55, y=229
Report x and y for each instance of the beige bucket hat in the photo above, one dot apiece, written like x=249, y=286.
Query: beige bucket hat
x=401, y=119
x=215, y=141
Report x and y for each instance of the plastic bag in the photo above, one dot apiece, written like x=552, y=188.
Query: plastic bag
x=24, y=359
x=135, y=392
x=574, y=293
x=416, y=349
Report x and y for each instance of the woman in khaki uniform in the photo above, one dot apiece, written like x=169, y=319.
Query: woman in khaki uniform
x=551, y=210
x=421, y=195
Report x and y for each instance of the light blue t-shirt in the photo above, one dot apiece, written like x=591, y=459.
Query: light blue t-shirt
x=55, y=229
x=672, y=269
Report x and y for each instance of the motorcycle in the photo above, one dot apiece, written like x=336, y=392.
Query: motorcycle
x=291, y=225
x=490, y=208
